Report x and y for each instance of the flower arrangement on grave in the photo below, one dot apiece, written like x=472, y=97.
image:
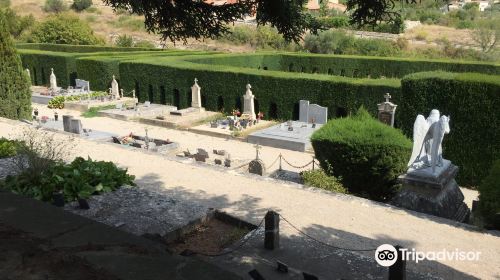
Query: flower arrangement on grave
x=44, y=119
x=236, y=113
x=260, y=116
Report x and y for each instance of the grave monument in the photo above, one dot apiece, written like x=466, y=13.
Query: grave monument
x=312, y=113
x=429, y=184
x=53, y=81
x=387, y=110
x=115, y=92
x=248, y=103
x=196, y=95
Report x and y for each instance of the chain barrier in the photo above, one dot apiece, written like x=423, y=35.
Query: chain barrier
x=324, y=243
x=238, y=167
x=298, y=167
x=275, y=161
x=250, y=236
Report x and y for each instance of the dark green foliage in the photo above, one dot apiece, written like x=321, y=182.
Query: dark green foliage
x=473, y=102
x=319, y=179
x=366, y=154
x=92, y=112
x=334, y=22
x=489, y=196
x=80, y=5
x=80, y=179
x=40, y=63
x=54, y=6
x=56, y=103
x=64, y=29
x=8, y=148
x=15, y=92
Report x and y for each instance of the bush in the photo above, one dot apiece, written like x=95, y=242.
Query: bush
x=319, y=179
x=144, y=44
x=15, y=94
x=80, y=5
x=56, y=103
x=489, y=196
x=16, y=25
x=8, y=148
x=54, y=6
x=124, y=41
x=79, y=179
x=334, y=22
x=366, y=154
x=4, y=3
x=64, y=29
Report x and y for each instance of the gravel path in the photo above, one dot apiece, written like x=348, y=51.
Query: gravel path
x=347, y=220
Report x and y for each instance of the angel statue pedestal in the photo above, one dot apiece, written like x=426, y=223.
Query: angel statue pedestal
x=429, y=184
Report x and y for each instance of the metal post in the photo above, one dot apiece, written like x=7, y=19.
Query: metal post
x=313, y=163
x=398, y=270
x=280, y=163
x=272, y=230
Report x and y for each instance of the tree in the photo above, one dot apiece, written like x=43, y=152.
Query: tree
x=54, y=6
x=182, y=19
x=14, y=83
x=80, y=5
x=124, y=41
x=17, y=24
x=64, y=29
x=486, y=34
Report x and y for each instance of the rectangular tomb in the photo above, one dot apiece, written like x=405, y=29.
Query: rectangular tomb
x=294, y=137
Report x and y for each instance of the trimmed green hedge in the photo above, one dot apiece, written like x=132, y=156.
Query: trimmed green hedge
x=366, y=154
x=77, y=48
x=348, y=65
x=473, y=103
x=39, y=63
x=489, y=196
x=277, y=93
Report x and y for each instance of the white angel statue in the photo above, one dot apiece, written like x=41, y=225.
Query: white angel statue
x=428, y=135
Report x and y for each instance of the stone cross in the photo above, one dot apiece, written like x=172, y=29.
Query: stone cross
x=196, y=95
x=114, y=88
x=387, y=97
x=121, y=91
x=257, y=148
x=133, y=93
x=53, y=80
x=248, y=103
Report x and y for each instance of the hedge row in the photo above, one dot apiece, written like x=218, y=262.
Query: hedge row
x=39, y=63
x=277, y=93
x=349, y=66
x=472, y=101
x=77, y=48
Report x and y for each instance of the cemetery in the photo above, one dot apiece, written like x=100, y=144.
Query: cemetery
x=400, y=160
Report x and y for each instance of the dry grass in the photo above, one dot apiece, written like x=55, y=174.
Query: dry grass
x=436, y=34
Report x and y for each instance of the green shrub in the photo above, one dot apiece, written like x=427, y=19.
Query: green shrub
x=4, y=3
x=8, y=148
x=124, y=41
x=79, y=179
x=92, y=112
x=54, y=6
x=489, y=196
x=144, y=44
x=64, y=29
x=334, y=22
x=80, y=5
x=15, y=94
x=56, y=103
x=79, y=48
x=366, y=154
x=319, y=179
x=16, y=25
x=472, y=100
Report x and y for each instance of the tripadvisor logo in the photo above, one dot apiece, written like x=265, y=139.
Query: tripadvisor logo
x=387, y=255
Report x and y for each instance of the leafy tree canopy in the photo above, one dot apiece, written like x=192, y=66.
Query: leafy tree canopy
x=182, y=19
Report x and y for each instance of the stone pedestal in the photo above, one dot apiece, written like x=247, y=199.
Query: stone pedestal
x=436, y=193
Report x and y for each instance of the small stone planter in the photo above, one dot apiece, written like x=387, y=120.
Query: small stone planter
x=83, y=203
x=58, y=199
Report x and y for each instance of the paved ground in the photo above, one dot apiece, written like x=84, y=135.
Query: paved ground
x=40, y=241
x=338, y=219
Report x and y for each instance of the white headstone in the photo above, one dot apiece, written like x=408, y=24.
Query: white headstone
x=121, y=92
x=317, y=114
x=114, y=88
x=53, y=80
x=248, y=103
x=196, y=95
x=304, y=111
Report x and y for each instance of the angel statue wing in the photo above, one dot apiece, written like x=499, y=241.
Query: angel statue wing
x=420, y=128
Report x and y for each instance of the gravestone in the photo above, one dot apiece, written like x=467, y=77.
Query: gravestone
x=304, y=111
x=76, y=126
x=53, y=80
x=82, y=85
x=201, y=155
x=387, y=110
x=227, y=161
x=312, y=113
x=115, y=92
x=257, y=166
x=67, y=122
x=147, y=103
x=218, y=161
x=248, y=103
x=196, y=95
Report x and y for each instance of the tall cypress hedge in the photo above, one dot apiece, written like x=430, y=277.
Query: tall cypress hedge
x=15, y=92
x=473, y=103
